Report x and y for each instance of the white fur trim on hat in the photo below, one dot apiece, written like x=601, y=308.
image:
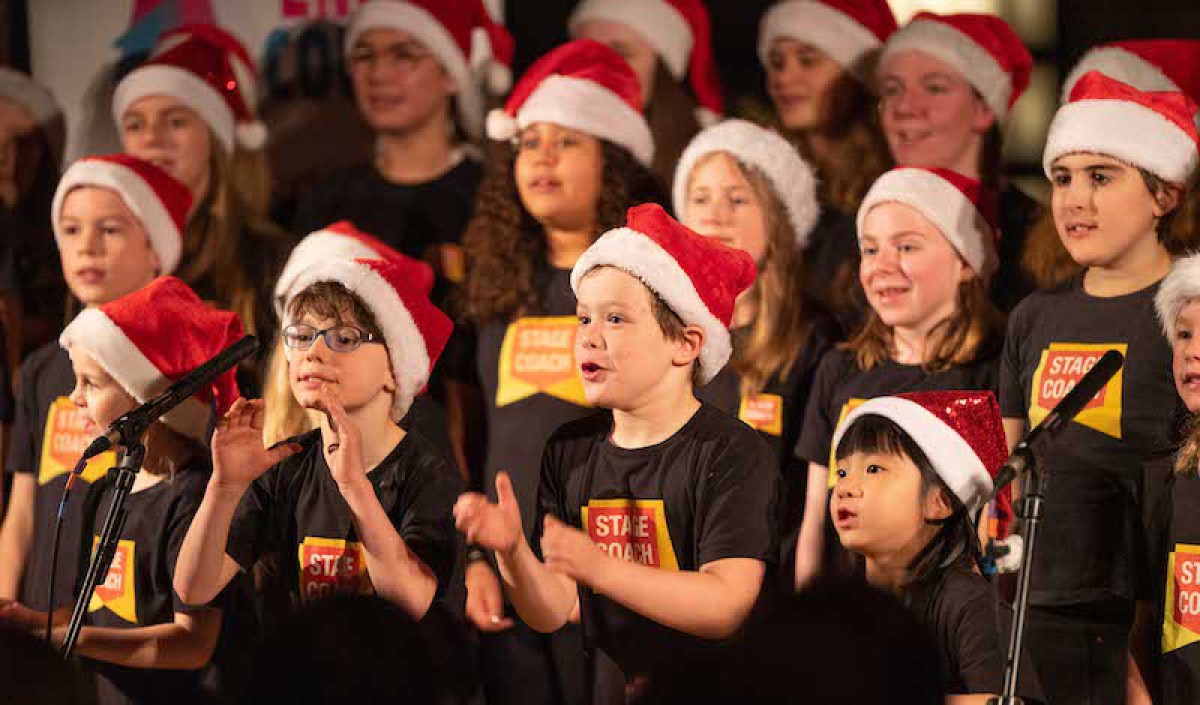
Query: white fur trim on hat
x=93, y=331
x=182, y=85
x=1123, y=130
x=835, y=33
x=1121, y=64
x=960, y=52
x=1180, y=287
x=792, y=178
x=137, y=195
x=655, y=20
x=587, y=106
x=951, y=456
x=30, y=94
x=406, y=345
x=418, y=22
x=320, y=246
x=959, y=221
x=632, y=252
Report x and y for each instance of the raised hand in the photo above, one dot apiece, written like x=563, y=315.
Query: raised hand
x=495, y=526
x=239, y=456
x=344, y=452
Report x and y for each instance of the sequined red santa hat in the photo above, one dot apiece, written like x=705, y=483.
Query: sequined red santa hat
x=1151, y=130
x=414, y=330
x=960, y=432
x=582, y=85
x=342, y=240
x=850, y=32
x=210, y=71
x=158, y=200
x=697, y=277
x=1145, y=64
x=983, y=48
x=679, y=31
x=474, y=49
x=792, y=179
x=150, y=338
x=1180, y=287
x=959, y=206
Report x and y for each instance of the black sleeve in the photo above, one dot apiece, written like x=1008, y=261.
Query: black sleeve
x=819, y=416
x=23, y=450
x=458, y=360
x=427, y=417
x=550, y=494
x=738, y=513
x=1013, y=402
x=979, y=641
x=426, y=519
x=256, y=527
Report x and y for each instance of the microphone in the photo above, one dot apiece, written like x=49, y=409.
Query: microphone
x=128, y=429
x=1059, y=417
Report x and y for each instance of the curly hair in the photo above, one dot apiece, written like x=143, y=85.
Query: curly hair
x=504, y=245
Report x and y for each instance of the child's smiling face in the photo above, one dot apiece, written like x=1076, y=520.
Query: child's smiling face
x=360, y=377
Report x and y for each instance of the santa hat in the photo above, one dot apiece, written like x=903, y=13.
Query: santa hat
x=1145, y=64
x=959, y=206
x=343, y=241
x=697, y=277
x=960, y=432
x=29, y=94
x=476, y=50
x=847, y=31
x=414, y=330
x=582, y=85
x=680, y=33
x=150, y=338
x=1150, y=130
x=207, y=69
x=1180, y=287
x=983, y=48
x=158, y=200
x=792, y=179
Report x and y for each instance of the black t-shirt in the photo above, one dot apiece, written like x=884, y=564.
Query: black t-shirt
x=1092, y=545
x=707, y=493
x=137, y=590
x=296, y=509
x=1176, y=525
x=830, y=266
x=840, y=385
x=962, y=612
x=47, y=439
x=1017, y=213
x=526, y=368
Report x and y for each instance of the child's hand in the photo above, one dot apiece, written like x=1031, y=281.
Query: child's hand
x=485, y=600
x=344, y=452
x=239, y=457
x=493, y=526
x=18, y=615
x=569, y=551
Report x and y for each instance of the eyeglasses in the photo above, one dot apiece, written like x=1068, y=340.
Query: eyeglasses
x=340, y=339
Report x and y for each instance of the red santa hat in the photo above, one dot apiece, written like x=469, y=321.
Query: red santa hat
x=476, y=50
x=959, y=206
x=1145, y=64
x=582, y=85
x=210, y=71
x=679, y=31
x=1180, y=287
x=158, y=200
x=342, y=240
x=29, y=94
x=983, y=48
x=790, y=177
x=414, y=330
x=126, y=337
x=697, y=277
x=847, y=31
x=1151, y=130
x=960, y=432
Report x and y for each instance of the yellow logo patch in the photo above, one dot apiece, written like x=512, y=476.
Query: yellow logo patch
x=538, y=357
x=329, y=566
x=65, y=440
x=634, y=530
x=763, y=412
x=1060, y=369
x=118, y=591
x=1181, y=610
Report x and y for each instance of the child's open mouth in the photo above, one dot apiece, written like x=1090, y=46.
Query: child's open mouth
x=591, y=372
x=845, y=518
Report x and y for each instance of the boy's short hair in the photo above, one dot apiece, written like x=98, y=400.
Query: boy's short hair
x=332, y=300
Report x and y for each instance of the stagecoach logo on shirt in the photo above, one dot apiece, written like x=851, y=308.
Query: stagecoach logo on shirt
x=64, y=441
x=538, y=356
x=1181, y=609
x=763, y=412
x=631, y=529
x=118, y=592
x=329, y=566
x=849, y=406
x=1060, y=369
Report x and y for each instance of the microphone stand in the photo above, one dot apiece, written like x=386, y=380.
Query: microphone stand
x=127, y=469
